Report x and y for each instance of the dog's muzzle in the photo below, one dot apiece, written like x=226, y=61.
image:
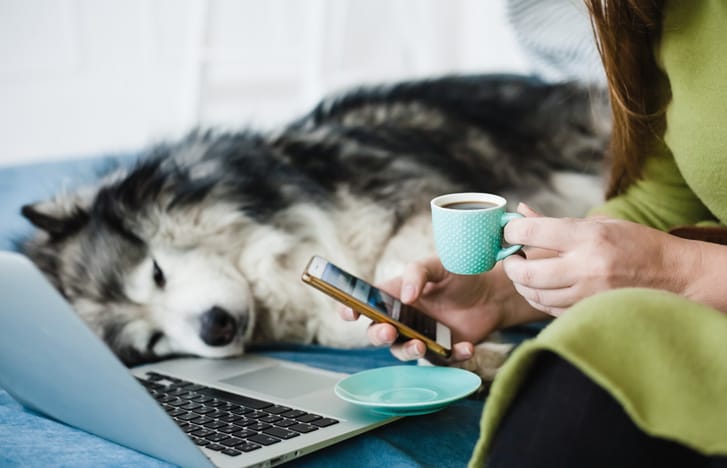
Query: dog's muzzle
x=218, y=327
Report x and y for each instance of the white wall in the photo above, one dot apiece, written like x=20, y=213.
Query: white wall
x=82, y=77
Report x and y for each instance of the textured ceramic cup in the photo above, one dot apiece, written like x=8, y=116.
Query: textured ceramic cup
x=468, y=231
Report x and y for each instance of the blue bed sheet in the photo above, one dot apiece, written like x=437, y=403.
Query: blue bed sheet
x=441, y=439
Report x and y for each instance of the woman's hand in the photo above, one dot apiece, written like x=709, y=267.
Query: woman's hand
x=592, y=255
x=473, y=306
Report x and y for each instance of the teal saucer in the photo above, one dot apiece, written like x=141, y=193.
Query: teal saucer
x=407, y=390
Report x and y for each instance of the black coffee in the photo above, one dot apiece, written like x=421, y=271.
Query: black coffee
x=470, y=205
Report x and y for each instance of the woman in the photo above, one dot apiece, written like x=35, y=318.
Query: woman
x=633, y=371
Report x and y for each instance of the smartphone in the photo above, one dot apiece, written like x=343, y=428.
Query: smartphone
x=378, y=305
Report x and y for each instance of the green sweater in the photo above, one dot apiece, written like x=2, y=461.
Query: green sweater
x=686, y=182
x=662, y=357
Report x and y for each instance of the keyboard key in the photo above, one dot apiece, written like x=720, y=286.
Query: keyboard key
x=216, y=437
x=257, y=426
x=237, y=409
x=188, y=416
x=229, y=429
x=237, y=399
x=325, y=422
x=231, y=418
x=294, y=414
x=306, y=418
x=245, y=422
x=231, y=442
x=179, y=384
x=216, y=413
x=216, y=447
x=271, y=418
x=231, y=453
x=263, y=439
x=203, y=432
x=304, y=428
x=202, y=420
x=247, y=447
x=244, y=433
x=277, y=409
x=204, y=410
x=153, y=376
x=191, y=406
x=286, y=422
x=201, y=442
x=202, y=398
x=214, y=424
x=280, y=433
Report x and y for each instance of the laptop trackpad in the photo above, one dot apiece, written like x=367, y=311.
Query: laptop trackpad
x=281, y=381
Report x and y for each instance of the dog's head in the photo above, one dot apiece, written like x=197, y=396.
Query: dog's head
x=145, y=260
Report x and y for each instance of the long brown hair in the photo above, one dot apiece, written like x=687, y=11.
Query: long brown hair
x=627, y=33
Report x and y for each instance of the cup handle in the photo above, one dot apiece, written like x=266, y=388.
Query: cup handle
x=507, y=251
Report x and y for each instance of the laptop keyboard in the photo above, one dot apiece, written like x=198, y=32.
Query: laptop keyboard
x=226, y=422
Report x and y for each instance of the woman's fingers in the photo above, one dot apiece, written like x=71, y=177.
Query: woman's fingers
x=347, y=313
x=525, y=210
x=409, y=351
x=549, y=298
x=542, y=273
x=547, y=233
x=417, y=275
x=415, y=349
x=383, y=334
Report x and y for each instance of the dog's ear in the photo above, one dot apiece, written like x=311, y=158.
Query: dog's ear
x=58, y=217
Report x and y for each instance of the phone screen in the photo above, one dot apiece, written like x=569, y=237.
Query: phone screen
x=380, y=300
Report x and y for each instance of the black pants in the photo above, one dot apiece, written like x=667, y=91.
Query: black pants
x=560, y=418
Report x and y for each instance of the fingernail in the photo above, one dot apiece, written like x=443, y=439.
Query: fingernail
x=383, y=336
x=414, y=350
x=407, y=293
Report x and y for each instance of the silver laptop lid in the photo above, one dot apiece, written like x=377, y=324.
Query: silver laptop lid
x=51, y=362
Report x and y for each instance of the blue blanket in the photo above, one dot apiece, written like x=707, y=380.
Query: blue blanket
x=445, y=438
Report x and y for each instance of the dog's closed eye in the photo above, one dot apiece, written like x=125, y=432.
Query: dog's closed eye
x=159, y=278
x=153, y=340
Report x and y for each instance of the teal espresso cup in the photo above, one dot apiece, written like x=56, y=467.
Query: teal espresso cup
x=468, y=231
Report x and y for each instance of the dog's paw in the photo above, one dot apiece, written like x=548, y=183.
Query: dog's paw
x=488, y=357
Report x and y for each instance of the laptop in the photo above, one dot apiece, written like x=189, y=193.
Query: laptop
x=247, y=411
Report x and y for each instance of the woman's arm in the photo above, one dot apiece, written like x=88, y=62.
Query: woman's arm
x=599, y=254
x=473, y=306
x=703, y=274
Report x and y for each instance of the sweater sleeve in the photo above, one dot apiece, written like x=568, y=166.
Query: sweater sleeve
x=660, y=199
x=683, y=181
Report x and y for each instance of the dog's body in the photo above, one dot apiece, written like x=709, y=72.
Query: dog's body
x=199, y=247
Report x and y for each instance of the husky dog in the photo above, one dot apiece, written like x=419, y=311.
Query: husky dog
x=198, y=247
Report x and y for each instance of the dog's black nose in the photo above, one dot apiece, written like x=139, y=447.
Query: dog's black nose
x=217, y=327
